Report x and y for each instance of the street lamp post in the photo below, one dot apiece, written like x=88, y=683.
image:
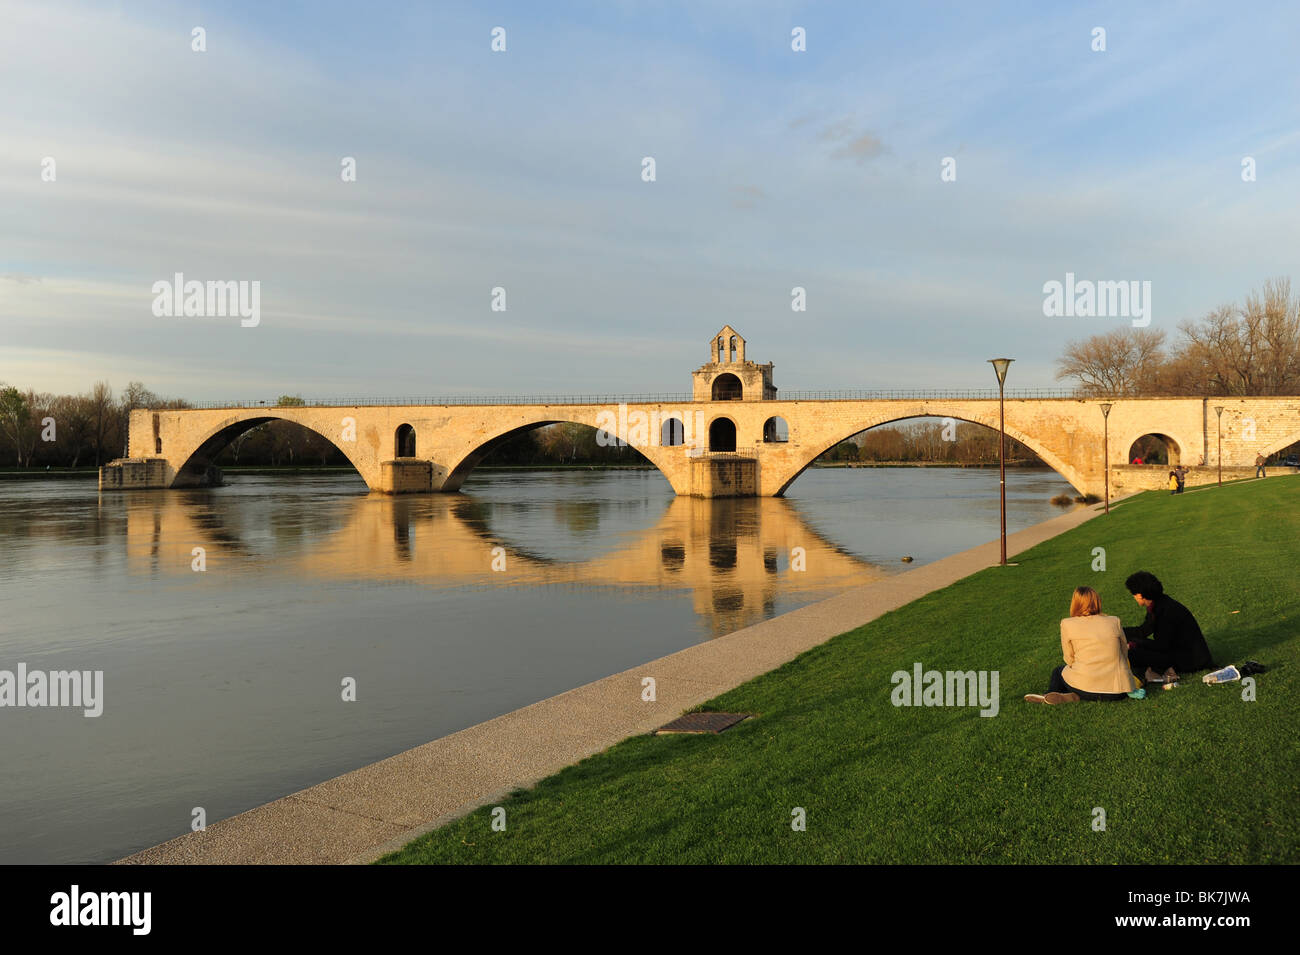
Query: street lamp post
x=1000, y=366
x=1105, y=449
x=1218, y=410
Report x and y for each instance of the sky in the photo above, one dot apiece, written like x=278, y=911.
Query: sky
x=522, y=170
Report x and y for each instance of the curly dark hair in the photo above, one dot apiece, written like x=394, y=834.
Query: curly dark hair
x=1146, y=584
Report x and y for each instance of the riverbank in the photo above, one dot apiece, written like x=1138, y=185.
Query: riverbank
x=1018, y=465
x=1197, y=774
x=382, y=806
x=34, y=474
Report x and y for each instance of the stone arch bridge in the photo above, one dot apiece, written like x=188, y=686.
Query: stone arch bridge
x=746, y=446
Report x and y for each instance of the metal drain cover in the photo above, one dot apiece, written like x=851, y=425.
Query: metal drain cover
x=703, y=723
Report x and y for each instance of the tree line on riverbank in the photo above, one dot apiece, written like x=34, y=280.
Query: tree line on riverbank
x=39, y=429
x=929, y=442
x=1249, y=349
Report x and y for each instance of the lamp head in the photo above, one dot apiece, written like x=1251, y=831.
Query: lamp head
x=1000, y=366
x=1218, y=410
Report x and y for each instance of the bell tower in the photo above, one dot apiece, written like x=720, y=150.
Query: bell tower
x=729, y=375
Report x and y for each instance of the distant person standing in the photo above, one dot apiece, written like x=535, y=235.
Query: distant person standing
x=1176, y=643
x=1259, y=466
x=1180, y=473
x=1173, y=482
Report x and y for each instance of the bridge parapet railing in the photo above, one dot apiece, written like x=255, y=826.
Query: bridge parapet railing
x=658, y=398
x=453, y=400
x=981, y=394
x=706, y=455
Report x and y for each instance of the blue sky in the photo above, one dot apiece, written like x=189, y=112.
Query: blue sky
x=522, y=170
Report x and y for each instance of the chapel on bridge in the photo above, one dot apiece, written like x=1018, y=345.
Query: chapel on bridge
x=729, y=376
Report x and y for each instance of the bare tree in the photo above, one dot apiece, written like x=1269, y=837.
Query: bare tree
x=39, y=406
x=1124, y=362
x=1251, y=350
x=16, y=419
x=72, y=414
x=883, y=444
x=102, y=411
x=1279, y=333
x=135, y=395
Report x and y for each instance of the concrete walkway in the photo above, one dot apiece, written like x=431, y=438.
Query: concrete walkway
x=361, y=815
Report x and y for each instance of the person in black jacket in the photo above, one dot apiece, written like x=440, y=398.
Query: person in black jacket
x=1176, y=640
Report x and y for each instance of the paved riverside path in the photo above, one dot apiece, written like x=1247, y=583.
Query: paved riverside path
x=361, y=815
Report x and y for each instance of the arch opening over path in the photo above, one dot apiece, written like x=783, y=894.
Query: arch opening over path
x=1153, y=448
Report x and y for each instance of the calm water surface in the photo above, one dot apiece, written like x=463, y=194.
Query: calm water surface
x=222, y=688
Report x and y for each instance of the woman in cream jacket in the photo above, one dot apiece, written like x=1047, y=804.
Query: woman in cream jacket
x=1096, y=656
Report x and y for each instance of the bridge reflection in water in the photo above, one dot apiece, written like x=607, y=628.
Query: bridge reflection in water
x=735, y=556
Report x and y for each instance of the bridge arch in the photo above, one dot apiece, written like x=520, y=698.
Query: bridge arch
x=192, y=467
x=1075, y=476
x=466, y=461
x=1271, y=449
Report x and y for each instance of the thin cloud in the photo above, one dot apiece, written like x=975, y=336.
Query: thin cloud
x=857, y=144
x=746, y=196
x=861, y=149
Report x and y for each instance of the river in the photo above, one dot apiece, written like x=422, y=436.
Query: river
x=228, y=622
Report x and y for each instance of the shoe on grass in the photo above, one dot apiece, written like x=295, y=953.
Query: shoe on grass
x=1152, y=677
x=1035, y=698
x=1055, y=698
x=1171, y=675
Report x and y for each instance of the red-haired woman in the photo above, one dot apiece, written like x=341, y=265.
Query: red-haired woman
x=1096, y=656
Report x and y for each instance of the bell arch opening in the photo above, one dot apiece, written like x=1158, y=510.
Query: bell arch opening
x=727, y=387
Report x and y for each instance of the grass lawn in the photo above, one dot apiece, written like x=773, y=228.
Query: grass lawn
x=1189, y=775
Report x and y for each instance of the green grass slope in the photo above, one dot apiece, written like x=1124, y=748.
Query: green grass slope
x=1190, y=775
